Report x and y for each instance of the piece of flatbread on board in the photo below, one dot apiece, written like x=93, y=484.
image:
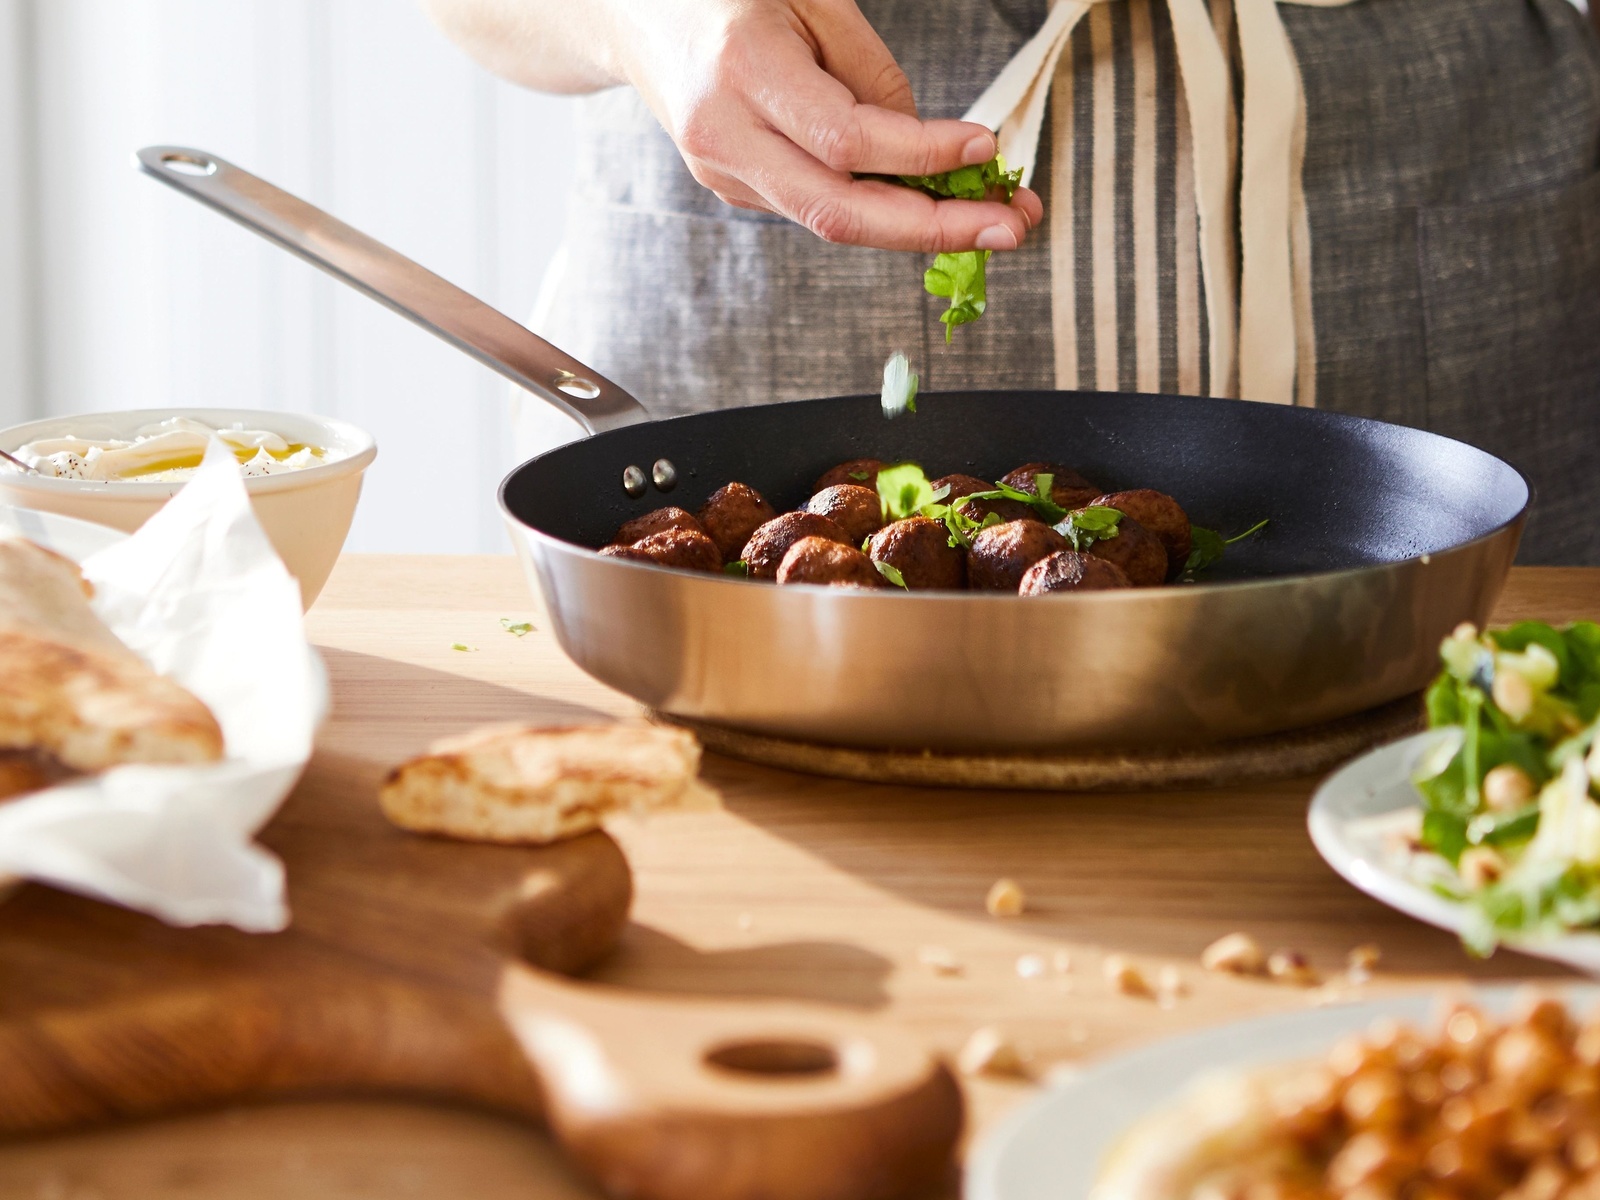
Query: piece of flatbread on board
x=514, y=783
x=69, y=689
x=23, y=771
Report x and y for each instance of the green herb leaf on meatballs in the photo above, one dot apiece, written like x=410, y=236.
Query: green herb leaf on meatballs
x=891, y=573
x=904, y=491
x=737, y=567
x=961, y=526
x=1049, y=511
x=1084, y=527
x=1207, y=547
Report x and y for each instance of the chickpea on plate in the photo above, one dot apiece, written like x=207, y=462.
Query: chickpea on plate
x=1041, y=528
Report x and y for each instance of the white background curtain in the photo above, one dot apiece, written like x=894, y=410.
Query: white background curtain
x=117, y=293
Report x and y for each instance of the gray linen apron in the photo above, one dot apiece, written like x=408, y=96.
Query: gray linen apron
x=1452, y=179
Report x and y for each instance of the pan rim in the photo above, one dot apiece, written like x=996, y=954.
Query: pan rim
x=1514, y=523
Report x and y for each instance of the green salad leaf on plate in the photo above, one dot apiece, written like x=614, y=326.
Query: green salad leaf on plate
x=1511, y=787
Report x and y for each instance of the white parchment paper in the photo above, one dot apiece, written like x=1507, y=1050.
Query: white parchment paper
x=201, y=594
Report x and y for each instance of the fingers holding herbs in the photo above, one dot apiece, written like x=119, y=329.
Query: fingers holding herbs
x=800, y=109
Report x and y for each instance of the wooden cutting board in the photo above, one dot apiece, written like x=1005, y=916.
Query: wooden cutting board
x=432, y=968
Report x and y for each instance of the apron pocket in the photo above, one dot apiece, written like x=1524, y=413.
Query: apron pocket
x=1511, y=301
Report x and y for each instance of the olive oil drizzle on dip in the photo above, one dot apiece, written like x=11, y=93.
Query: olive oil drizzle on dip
x=168, y=450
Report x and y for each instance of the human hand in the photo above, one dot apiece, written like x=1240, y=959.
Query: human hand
x=778, y=105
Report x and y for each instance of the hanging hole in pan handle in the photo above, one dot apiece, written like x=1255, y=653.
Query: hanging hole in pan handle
x=577, y=386
x=188, y=164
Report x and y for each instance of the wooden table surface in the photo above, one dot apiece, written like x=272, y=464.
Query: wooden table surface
x=802, y=888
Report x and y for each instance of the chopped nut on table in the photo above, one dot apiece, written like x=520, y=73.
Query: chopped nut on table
x=1290, y=966
x=1170, y=986
x=1005, y=899
x=990, y=1052
x=940, y=960
x=1236, y=954
x=1125, y=977
x=1361, y=962
x=1030, y=966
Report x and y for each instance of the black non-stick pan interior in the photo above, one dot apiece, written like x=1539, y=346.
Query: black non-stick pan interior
x=1337, y=491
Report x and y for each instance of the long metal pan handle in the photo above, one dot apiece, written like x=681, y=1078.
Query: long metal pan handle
x=411, y=290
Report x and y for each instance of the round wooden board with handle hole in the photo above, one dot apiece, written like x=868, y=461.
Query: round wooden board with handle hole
x=432, y=968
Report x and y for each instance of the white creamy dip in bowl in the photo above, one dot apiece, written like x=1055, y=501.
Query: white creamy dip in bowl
x=305, y=498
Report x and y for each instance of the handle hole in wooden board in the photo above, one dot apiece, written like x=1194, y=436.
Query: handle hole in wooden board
x=189, y=164
x=774, y=1056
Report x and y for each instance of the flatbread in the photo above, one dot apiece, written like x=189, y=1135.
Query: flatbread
x=514, y=783
x=22, y=772
x=69, y=689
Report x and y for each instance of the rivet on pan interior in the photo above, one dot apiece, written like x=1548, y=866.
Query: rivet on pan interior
x=664, y=474
x=634, y=482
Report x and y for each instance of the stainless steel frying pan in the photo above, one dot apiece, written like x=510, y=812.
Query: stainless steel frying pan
x=1381, y=539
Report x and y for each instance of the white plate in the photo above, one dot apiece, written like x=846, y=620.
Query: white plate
x=1052, y=1148
x=68, y=536
x=1346, y=819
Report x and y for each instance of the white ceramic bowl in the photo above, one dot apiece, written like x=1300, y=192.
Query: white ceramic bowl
x=305, y=513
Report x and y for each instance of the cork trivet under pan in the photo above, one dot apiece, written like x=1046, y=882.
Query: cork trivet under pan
x=1284, y=755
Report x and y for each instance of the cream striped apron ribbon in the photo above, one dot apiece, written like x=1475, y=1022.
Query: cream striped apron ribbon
x=1262, y=334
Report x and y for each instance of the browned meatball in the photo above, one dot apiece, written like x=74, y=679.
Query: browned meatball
x=1161, y=515
x=765, y=550
x=818, y=560
x=919, y=548
x=732, y=514
x=659, y=521
x=1068, y=488
x=1001, y=555
x=1070, y=571
x=855, y=509
x=682, y=548
x=1137, y=551
x=965, y=485
x=863, y=472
